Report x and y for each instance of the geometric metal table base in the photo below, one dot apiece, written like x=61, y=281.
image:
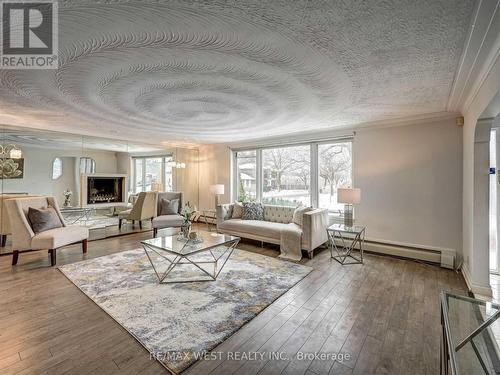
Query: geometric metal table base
x=205, y=264
x=344, y=253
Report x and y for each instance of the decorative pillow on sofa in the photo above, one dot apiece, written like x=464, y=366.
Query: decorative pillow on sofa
x=42, y=219
x=298, y=214
x=169, y=207
x=237, y=210
x=253, y=211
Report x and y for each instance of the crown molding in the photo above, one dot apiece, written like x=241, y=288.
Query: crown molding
x=347, y=131
x=481, y=50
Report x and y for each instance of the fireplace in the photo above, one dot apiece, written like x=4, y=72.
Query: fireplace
x=103, y=190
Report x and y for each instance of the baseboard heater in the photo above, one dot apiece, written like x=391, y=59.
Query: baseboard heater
x=443, y=257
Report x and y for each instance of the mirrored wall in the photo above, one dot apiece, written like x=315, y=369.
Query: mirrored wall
x=93, y=179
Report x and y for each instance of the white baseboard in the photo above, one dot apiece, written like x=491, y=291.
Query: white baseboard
x=479, y=291
x=444, y=257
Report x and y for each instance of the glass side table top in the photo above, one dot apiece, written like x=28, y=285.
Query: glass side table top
x=471, y=333
x=181, y=247
x=345, y=229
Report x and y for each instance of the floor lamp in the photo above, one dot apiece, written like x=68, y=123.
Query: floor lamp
x=218, y=190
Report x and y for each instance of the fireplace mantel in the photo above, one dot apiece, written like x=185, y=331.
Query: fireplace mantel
x=110, y=189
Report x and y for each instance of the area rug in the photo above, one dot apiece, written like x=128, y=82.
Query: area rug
x=179, y=322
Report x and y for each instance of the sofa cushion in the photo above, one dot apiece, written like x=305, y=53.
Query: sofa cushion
x=54, y=238
x=255, y=227
x=278, y=214
x=169, y=207
x=167, y=221
x=237, y=210
x=43, y=219
x=252, y=211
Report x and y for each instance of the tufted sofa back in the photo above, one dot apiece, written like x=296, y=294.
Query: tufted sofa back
x=278, y=214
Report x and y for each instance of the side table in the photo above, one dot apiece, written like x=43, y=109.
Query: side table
x=209, y=214
x=349, y=237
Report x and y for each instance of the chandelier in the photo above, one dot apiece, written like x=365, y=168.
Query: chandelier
x=176, y=164
x=10, y=152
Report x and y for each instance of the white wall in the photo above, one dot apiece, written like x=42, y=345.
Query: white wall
x=215, y=168
x=410, y=176
x=38, y=171
x=411, y=183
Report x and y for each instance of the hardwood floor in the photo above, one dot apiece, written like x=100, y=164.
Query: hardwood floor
x=384, y=314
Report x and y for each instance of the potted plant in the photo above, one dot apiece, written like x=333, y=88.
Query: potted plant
x=188, y=212
x=67, y=198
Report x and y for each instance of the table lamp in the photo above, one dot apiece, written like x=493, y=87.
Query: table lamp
x=348, y=196
x=218, y=190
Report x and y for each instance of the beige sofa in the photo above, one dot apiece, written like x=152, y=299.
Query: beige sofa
x=276, y=219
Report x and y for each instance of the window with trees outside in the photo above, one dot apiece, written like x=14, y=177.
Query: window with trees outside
x=286, y=175
x=246, y=175
x=307, y=174
x=335, y=170
x=152, y=173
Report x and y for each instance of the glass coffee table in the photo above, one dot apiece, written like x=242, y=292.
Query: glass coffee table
x=176, y=260
x=471, y=335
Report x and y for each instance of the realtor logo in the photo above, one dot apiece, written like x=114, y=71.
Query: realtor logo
x=28, y=34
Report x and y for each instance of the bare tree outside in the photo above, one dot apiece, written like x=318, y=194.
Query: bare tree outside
x=334, y=171
x=287, y=175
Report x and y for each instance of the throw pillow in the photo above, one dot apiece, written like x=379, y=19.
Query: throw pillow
x=298, y=214
x=237, y=210
x=169, y=207
x=253, y=211
x=42, y=219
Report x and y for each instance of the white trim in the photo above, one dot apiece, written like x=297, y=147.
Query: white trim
x=487, y=64
x=477, y=290
x=480, y=51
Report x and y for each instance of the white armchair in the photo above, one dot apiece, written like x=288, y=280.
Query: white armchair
x=144, y=209
x=167, y=221
x=25, y=239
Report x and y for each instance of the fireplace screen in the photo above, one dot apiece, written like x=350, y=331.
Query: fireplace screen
x=104, y=190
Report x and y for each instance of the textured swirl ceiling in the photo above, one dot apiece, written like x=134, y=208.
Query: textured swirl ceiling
x=222, y=71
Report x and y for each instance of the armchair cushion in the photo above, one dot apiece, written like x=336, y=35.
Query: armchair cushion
x=57, y=237
x=169, y=207
x=167, y=221
x=43, y=219
x=124, y=214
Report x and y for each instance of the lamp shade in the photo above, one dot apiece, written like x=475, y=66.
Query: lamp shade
x=348, y=195
x=218, y=189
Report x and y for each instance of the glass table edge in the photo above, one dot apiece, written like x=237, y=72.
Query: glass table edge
x=354, y=230
x=444, y=315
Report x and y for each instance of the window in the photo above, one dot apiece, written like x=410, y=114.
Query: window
x=290, y=175
x=87, y=165
x=56, y=168
x=246, y=182
x=152, y=174
x=334, y=169
x=286, y=175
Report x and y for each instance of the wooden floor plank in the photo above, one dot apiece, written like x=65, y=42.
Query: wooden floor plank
x=376, y=313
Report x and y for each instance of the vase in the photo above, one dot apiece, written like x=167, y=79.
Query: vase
x=186, y=229
x=67, y=201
